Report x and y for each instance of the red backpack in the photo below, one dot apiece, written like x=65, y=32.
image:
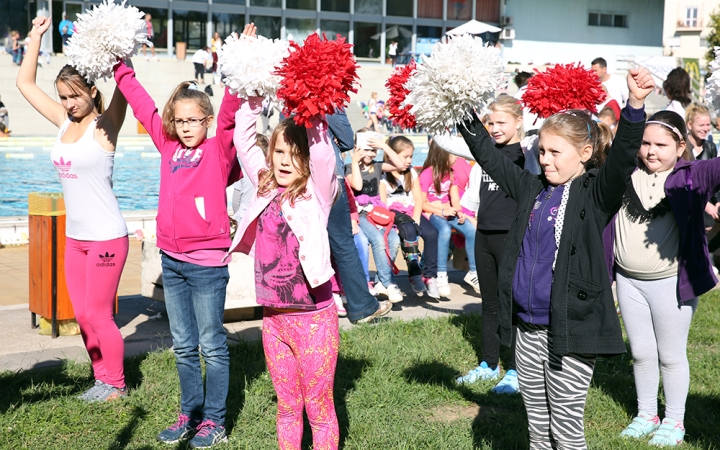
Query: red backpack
x=383, y=217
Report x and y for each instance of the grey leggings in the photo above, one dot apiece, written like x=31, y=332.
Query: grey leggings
x=553, y=388
x=657, y=328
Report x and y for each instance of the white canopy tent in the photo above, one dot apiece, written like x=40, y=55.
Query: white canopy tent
x=474, y=27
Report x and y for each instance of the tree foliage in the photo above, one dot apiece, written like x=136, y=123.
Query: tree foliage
x=713, y=39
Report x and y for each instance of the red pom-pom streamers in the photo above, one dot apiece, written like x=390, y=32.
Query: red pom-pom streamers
x=317, y=77
x=399, y=114
x=561, y=88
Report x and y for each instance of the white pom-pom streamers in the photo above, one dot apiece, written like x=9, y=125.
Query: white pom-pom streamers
x=107, y=32
x=249, y=64
x=712, y=85
x=459, y=76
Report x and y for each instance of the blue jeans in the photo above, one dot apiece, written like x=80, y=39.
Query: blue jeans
x=377, y=243
x=444, y=227
x=195, y=303
x=362, y=246
x=360, y=303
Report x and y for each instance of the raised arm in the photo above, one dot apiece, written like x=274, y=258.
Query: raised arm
x=142, y=104
x=614, y=175
x=511, y=178
x=49, y=108
x=355, y=177
x=395, y=160
x=322, y=162
x=244, y=138
x=226, y=125
x=342, y=130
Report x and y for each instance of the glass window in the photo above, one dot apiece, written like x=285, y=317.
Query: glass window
x=606, y=20
x=232, y=2
x=427, y=38
x=225, y=23
x=267, y=26
x=430, y=9
x=367, y=40
x=620, y=21
x=488, y=11
x=268, y=3
x=335, y=5
x=402, y=36
x=159, y=18
x=299, y=29
x=459, y=10
x=301, y=4
x=402, y=8
x=594, y=19
x=368, y=6
x=334, y=27
x=190, y=27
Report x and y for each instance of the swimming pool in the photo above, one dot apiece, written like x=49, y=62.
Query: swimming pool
x=25, y=167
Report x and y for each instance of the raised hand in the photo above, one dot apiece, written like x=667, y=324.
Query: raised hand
x=41, y=25
x=250, y=30
x=640, y=84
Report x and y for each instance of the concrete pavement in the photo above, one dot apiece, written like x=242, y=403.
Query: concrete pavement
x=143, y=321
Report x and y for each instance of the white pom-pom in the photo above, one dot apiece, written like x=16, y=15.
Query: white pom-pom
x=712, y=85
x=107, y=32
x=459, y=76
x=249, y=64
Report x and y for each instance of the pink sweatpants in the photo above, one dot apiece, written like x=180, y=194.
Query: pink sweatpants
x=92, y=272
x=301, y=352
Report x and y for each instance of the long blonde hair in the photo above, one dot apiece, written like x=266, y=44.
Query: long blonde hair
x=577, y=127
x=295, y=136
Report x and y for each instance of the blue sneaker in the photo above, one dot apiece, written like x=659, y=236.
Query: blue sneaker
x=643, y=425
x=481, y=372
x=179, y=431
x=508, y=385
x=208, y=435
x=670, y=434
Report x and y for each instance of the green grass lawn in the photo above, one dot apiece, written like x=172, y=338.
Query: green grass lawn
x=394, y=389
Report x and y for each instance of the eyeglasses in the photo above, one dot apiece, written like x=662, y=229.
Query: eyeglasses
x=192, y=123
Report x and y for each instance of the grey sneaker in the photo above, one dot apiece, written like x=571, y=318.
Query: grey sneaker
x=90, y=393
x=432, y=288
x=179, y=431
x=208, y=435
x=417, y=284
x=109, y=393
x=385, y=307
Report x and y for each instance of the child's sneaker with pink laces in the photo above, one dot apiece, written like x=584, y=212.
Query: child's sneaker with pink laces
x=671, y=433
x=208, y=434
x=179, y=431
x=642, y=426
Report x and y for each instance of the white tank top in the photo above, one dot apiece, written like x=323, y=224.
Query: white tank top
x=85, y=171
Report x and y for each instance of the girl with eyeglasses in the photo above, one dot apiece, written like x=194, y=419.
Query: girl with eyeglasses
x=193, y=234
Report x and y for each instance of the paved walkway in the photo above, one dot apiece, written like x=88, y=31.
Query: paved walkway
x=143, y=322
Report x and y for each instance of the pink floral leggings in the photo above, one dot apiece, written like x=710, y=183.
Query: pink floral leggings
x=301, y=352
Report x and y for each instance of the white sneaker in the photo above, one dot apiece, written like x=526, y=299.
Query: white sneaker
x=372, y=290
x=380, y=289
x=394, y=294
x=341, y=311
x=156, y=58
x=147, y=58
x=471, y=278
x=432, y=288
x=384, y=307
x=417, y=284
x=443, y=285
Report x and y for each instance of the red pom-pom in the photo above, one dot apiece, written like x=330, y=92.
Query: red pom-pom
x=561, y=88
x=317, y=77
x=400, y=115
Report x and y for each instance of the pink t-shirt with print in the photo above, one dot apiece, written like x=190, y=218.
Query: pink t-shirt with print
x=279, y=278
x=427, y=185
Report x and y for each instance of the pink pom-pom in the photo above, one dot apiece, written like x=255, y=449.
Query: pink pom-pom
x=400, y=115
x=561, y=88
x=317, y=77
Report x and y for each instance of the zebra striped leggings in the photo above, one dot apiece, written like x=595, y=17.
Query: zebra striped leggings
x=554, y=390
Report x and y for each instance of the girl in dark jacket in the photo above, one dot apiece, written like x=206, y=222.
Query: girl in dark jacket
x=661, y=265
x=553, y=271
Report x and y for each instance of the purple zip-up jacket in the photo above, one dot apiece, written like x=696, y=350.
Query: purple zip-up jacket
x=688, y=189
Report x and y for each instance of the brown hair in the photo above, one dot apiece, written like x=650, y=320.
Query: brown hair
x=71, y=78
x=578, y=128
x=371, y=167
x=439, y=160
x=263, y=142
x=693, y=111
x=607, y=111
x=509, y=105
x=677, y=86
x=182, y=93
x=296, y=137
x=399, y=144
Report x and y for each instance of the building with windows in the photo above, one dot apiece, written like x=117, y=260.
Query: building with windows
x=563, y=31
x=371, y=25
x=686, y=27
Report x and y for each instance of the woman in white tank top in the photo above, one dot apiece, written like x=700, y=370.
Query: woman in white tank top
x=96, y=234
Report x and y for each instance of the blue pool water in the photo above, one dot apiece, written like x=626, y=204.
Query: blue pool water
x=25, y=167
